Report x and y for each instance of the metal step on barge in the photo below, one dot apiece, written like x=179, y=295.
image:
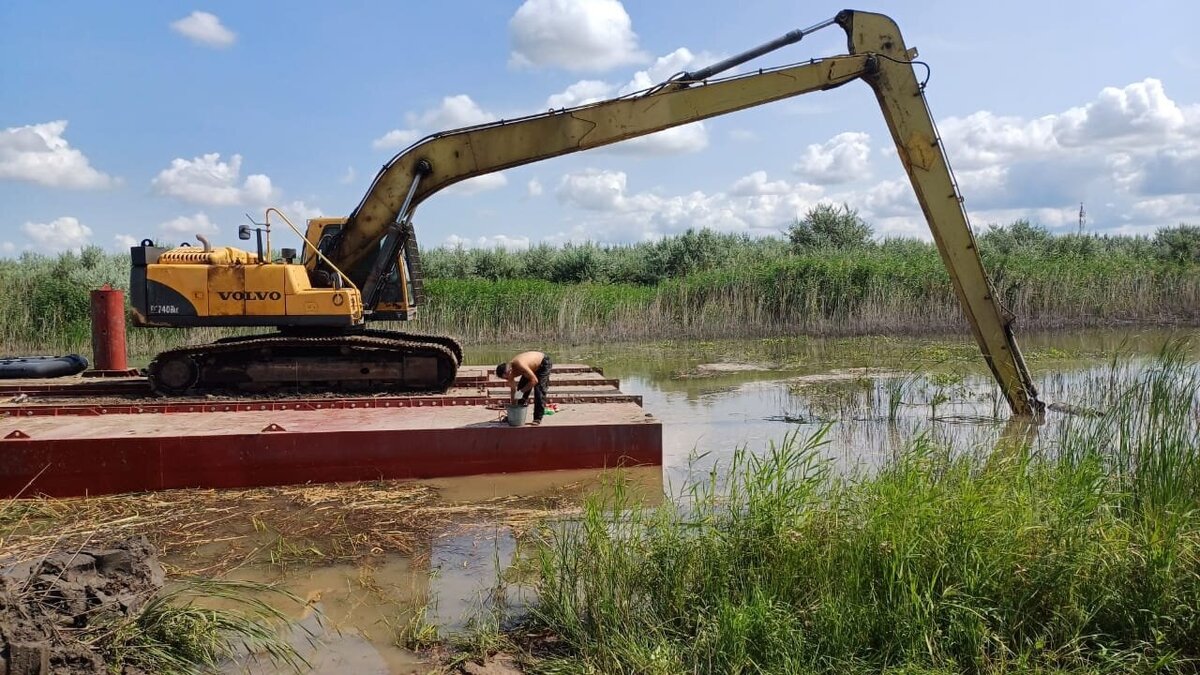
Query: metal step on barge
x=89, y=436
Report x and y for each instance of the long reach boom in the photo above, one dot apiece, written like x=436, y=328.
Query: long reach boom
x=877, y=56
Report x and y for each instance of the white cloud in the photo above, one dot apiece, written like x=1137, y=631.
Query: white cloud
x=612, y=214
x=1132, y=148
x=842, y=159
x=190, y=225
x=395, y=139
x=886, y=199
x=7, y=247
x=983, y=139
x=742, y=135
x=682, y=140
x=583, y=91
x=122, y=242
x=1141, y=109
x=299, y=212
x=578, y=35
x=454, y=112
x=204, y=29
x=757, y=184
x=484, y=183
x=495, y=241
x=38, y=153
x=663, y=68
x=207, y=180
x=349, y=176
x=1166, y=211
x=593, y=189
x=534, y=188
x=60, y=234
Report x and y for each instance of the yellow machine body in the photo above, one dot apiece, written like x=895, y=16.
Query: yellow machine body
x=189, y=286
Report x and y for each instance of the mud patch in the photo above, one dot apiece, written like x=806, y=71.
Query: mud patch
x=49, y=603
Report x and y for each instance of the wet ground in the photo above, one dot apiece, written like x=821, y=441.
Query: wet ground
x=389, y=564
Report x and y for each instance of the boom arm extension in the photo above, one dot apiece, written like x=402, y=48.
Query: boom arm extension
x=457, y=155
x=877, y=55
x=907, y=113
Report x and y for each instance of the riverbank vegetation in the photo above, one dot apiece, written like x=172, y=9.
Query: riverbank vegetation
x=826, y=276
x=826, y=279
x=1083, y=556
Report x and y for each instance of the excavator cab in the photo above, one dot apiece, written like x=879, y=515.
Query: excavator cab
x=401, y=289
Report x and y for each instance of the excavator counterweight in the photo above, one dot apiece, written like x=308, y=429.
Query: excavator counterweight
x=365, y=267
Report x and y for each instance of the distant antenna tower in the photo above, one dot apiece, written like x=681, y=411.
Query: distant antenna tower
x=1082, y=217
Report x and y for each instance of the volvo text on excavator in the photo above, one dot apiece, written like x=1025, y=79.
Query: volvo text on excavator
x=366, y=267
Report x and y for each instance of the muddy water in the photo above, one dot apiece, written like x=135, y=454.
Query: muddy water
x=873, y=394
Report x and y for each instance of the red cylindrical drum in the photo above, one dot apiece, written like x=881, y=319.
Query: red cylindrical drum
x=108, y=328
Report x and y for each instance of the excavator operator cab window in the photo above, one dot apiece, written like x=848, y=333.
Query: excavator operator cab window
x=327, y=236
x=324, y=241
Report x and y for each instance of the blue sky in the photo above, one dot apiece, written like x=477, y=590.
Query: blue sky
x=165, y=119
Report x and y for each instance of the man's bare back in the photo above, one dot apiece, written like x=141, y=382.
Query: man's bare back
x=526, y=363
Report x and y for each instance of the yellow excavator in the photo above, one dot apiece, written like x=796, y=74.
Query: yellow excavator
x=366, y=267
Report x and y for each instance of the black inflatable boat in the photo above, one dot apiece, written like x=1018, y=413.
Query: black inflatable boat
x=13, y=367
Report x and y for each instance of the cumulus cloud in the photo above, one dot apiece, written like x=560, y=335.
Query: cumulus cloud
x=349, y=176
x=495, y=241
x=757, y=184
x=38, y=153
x=577, y=35
x=611, y=213
x=60, y=234
x=664, y=67
x=682, y=140
x=484, y=183
x=454, y=112
x=299, y=211
x=208, y=180
x=395, y=139
x=842, y=159
x=7, y=247
x=677, y=140
x=1131, y=145
x=593, y=189
x=534, y=188
x=122, y=242
x=190, y=225
x=1141, y=109
x=583, y=91
x=204, y=29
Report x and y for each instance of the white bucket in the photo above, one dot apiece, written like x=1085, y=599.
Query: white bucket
x=516, y=415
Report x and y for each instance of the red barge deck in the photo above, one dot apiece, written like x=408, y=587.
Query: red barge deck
x=80, y=436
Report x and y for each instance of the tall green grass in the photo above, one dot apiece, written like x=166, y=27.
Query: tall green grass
x=698, y=284
x=884, y=289
x=1082, y=557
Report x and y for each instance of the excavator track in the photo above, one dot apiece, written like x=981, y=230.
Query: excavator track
x=369, y=361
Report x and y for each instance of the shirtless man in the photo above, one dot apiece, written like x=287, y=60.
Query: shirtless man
x=533, y=369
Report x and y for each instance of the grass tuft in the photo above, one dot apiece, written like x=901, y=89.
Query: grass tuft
x=172, y=633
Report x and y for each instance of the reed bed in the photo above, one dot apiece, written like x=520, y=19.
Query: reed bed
x=1081, y=556
x=839, y=297
x=697, y=285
